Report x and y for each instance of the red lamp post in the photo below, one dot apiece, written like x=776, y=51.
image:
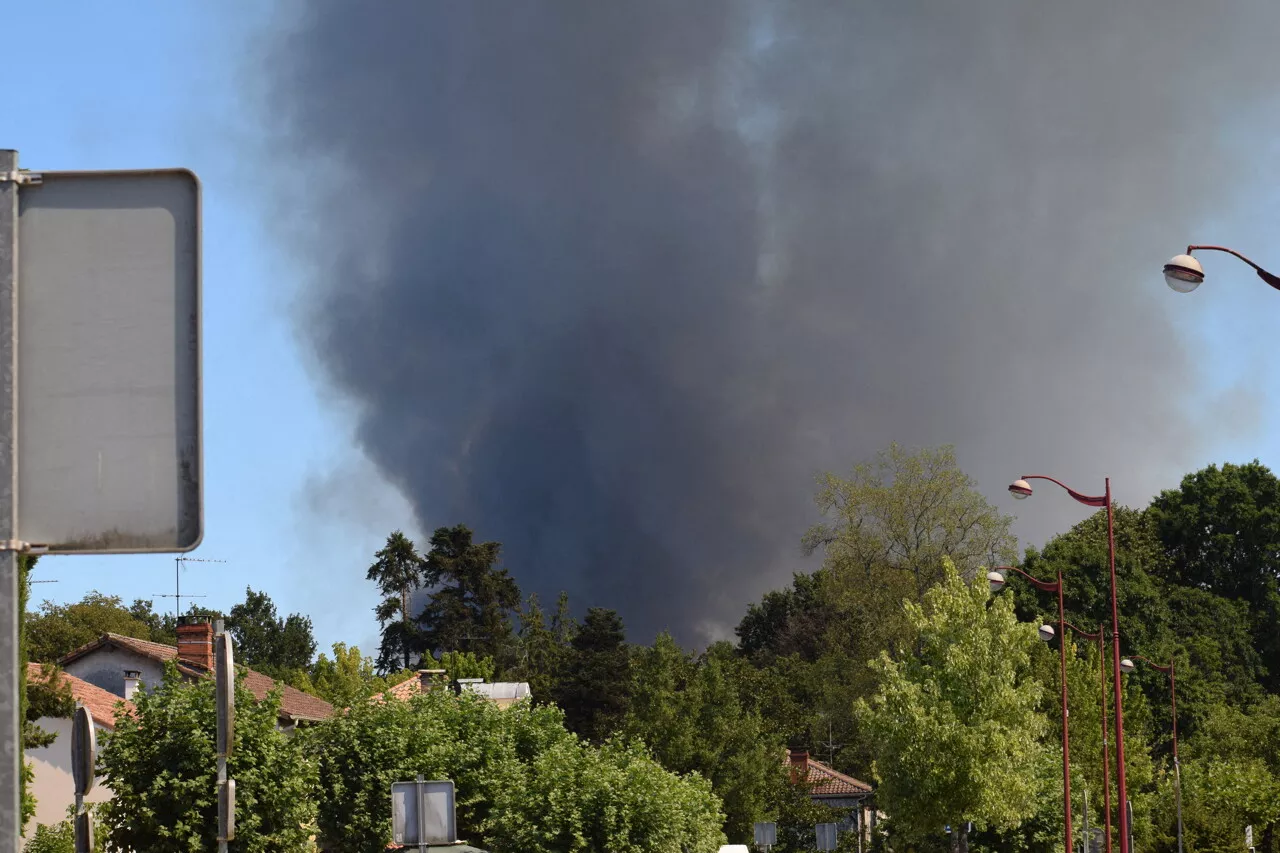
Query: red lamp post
x=1100, y=636
x=1022, y=489
x=996, y=580
x=1127, y=666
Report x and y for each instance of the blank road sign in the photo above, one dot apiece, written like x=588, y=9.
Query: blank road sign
x=108, y=350
x=766, y=834
x=423, y=813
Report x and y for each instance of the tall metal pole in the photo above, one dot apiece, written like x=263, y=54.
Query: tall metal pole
x=10, y=724
x=1087, y=837
x=1122, y=788
x=1177, y=770
x=1106, y=758
x=1066, y=739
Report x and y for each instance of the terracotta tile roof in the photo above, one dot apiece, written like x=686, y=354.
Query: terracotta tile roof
x=101, y=703
x=294, y=703
x=403, y=690
x=827, y=782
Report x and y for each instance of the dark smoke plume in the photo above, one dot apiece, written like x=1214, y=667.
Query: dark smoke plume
x=612, y=281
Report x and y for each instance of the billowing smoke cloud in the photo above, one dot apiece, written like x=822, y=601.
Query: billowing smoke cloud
x=611, y=282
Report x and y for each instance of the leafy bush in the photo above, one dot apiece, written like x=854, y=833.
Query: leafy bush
x=59, y=838
x=524, y=783
x=162, y=768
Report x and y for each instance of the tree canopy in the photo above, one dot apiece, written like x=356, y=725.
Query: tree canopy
x=161, y=768
x=889, y=643
x=265, y=641
x=523, y=781
x=398, y=570
x=596, y=690
x=968, y=694
x=472, y=600
x=55, y=630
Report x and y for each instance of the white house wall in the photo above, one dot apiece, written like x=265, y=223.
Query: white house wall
x=54, y=786
x=105, y=668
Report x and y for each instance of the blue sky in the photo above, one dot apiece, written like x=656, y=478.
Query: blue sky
x=165, y=85
x=290, y=506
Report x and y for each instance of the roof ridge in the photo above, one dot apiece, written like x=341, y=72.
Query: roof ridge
x=102, y=703
x=293, y=701
x=834, y=772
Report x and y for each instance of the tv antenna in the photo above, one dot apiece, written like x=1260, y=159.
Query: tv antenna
x=830, y=744
x=177, y=583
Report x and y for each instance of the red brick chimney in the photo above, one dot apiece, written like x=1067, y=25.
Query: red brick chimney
x=195, y=643
x=799, y=766
x=430, y=679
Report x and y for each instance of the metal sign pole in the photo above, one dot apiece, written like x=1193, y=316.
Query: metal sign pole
x=10, y=724
x=112, y=303
x=422, y=811
x=84, y=762
x=225, y=685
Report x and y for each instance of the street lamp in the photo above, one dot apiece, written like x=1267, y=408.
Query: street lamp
x=1100, y=638
x=996, y=579
x=1021, y=489
x=1128, y=666
x=1184, y=274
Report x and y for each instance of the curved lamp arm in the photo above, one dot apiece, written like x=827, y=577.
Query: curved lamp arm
x=1096, y=635
x=1087, y=500
x=1270, y=279
x=1165, y=669
x=1047, y=586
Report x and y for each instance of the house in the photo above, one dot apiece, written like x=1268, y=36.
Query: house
x=504, y=694
x=122, y=665
x=845, y=794
x=52, y=784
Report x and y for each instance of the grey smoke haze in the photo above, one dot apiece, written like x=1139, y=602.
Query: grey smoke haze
x=611, y=282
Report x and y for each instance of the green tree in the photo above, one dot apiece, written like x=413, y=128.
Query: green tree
x=887, y=528
x=1221, y=530
x=267, y=642
x=61, y=836
x=795, y=813
x=1159, y=617
x=472, y=601
x=161, y=767
x=1231, y=777
x=792, y=621
x=163, y=627
x=968, y=694
x=348, y=678
x=523, y=782
x=544, y=648
x=32, y=735
x=466, y=665
x=48, y=695
x=596, y=691
x=906, y=512
x=57, y=629
x=398, y=570
x=692, y=715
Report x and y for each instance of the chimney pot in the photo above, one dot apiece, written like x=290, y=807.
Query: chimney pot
x=131, y=679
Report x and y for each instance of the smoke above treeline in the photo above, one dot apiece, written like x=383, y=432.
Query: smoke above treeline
x=612, y=282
